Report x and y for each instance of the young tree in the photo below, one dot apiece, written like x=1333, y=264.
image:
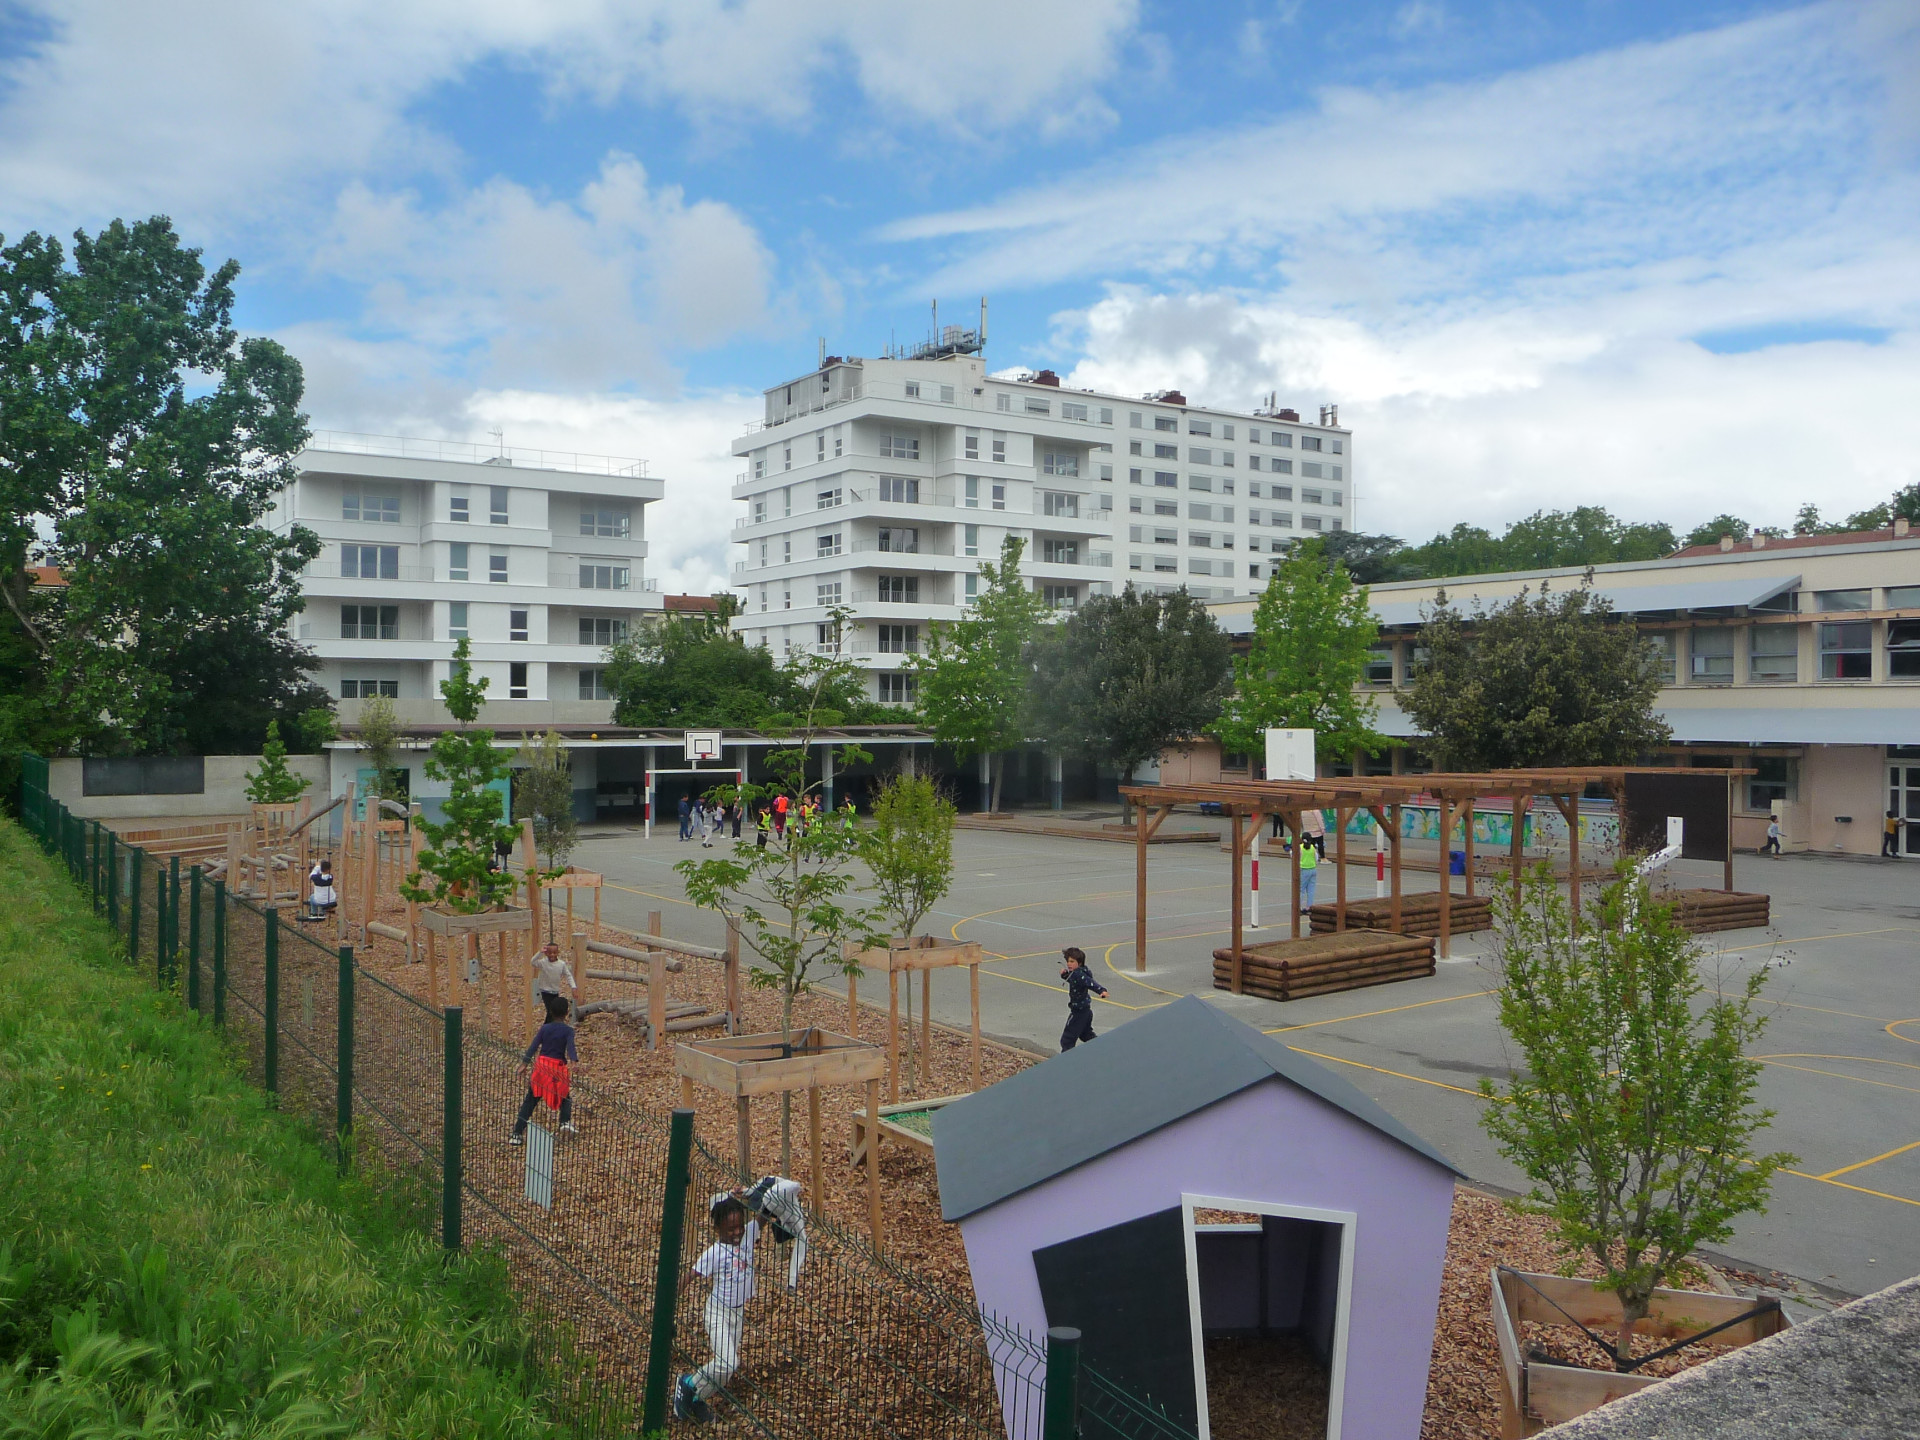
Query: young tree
x=974, y=673
x=691, y=672
x=909, y=852
x=543, y=793
x=1542, y=679
x=1128, y=676
x=1632, y=1112
x=379, y=734
x=273, y=783
x=456, y=869
x=142, y=445
x=1311, y=633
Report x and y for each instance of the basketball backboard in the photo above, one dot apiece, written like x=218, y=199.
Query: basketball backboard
x=703, y=744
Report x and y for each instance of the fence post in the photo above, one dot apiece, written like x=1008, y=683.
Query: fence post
x=113, y=882
x=450, y=1127
x=1062, y=1412
x=134, y=856
x=173, y=919
x=220, y=952
x=666, y=1281
x=193, y=942
x=93, y=863
x=343, y=1068
x=270, y=1044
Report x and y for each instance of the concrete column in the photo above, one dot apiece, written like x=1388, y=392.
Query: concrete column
x=826, y=775
x=1059, y=783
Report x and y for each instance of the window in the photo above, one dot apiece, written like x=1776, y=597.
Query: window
x=973, y=444
x=899, y=490
x=369, y=622
x=826, y=638
x=1225, y=513
x=1711, y=653
x=1903, y=649
x=1846, y=650
x=1226, y=432
x=899, y=639
x=517, y=680
x=900, y=447
x=1136, y=533
x=605, y=577
x=970, y=542
x=786, y=501
x=946, y=394
x=836, y=442
x=1003, y=401
x=1311, y=469
x=1283, y=519
x=999, y=450
x=602, y=630
x=1380, y=665
x=1061, y=597
x=1337, y=446
x=1661, y=661
x=497, y=504
x=1903, y=597
x=1283, y=439
x=1309, y=442
x=820, y=446
x=1055, y=463
x=1226, y=458
x=827, y=544
x=786, y=550
x=593, y=683
x=1199, y=427
x=1072, y=410
x=827, y=594
x=913, y=389
x=1136, y=562
x=1166, y=422
x=1775, y=777
x=1279, y=466
x=1312, y=497
x=786, y=458
x=1166, y=479
x=1310, y=522
x=1199, y=567
x=1201, y=538
x=496, y=568
x=1166, y=537
x=1200, y=482
x=972, y=589
x=999, y=499
x=900, y=589
x=1333, y=497
x=1038, y=406
x=367, y=689
x=457, y=510
x=759, y=467
x=370, y=509
x=1253, y=462
x=1106, y=472
x=1166, y=507
x=1773, y=652
x=457, y=562
x=760, y=510
x=1166, y=452
x=457, y=620
x=1060, y=552
x=900, y=539
x=1280, y=492
x=971, y=496
x=826, y=499
x=1133, y=448
x=614, y=523
x=516, y=625
x=1843, y=600
x=370, y=562
x=1054, y=502
x=898, y=689
x=1166, y=564
x=1198, y=511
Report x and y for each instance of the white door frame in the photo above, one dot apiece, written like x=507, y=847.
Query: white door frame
x=1349, y=1223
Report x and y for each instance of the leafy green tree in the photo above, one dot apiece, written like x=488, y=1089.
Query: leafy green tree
x=1903, y=505
x=314, y=727
x=974, y=672
x=142, y=445
x=1544, y=540
x=1371, y=559
x=543, y=793
x=1128, y=676
x=379, y=734
x=1311, y=633
x=273, y=783
x=1632, y=1112
x=1542, y=679
x=1709, y=532
x=456, y=870
x=690, y=673
x=909, y=853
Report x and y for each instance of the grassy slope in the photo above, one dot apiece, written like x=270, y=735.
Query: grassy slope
x=177, y=1259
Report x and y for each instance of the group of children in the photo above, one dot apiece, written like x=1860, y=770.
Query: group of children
x=701, y=821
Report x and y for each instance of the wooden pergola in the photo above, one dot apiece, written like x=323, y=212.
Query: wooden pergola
x=1247, y=804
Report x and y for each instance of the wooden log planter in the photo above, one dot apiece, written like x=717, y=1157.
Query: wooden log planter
x=1325, y=964
x=925, y=953
x=1536, y=1393
x=1704, y=911
x=911, y=1122
x=1419, y=914
x=463, y=936
x=657, y=1015
x=742, y=1066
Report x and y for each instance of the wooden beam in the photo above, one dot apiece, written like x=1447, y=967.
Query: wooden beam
x=1393, y=844
x=1296, y=834
x=1515, y=844
x=926, y=1023
x=743, y=1138
x=973, y=1000
x=1569, y=808
x=1446, y=876
x=1140, y=888
x=1466, y=812
x=816, y=1148
x=875, y=1223
x=1340, y=817
x=1234, y=903
x=1727, y=884
x=893, y=1034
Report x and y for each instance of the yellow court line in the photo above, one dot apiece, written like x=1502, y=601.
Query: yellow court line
x=1891, y=1030
x=1067, y=899
x=1132, y=980
x=1819, y=1010
x=1398, y=1075
x=1835, y=1074
x=1862, y=1164
x=669, y=899
x=1369, y=1014
x=1837, y=935
x=1857, y=1189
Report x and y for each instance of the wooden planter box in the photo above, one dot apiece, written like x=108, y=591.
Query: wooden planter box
x=1704, y=911
x=1419, y=914
x=1538, y=1393
x=925, y=953
x=1325, y=964
x=909, y=1122
x=487, y=922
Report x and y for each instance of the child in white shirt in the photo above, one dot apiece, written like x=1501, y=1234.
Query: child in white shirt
x=728, y=1262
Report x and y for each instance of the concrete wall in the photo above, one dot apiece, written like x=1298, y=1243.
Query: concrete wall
x=1272, y=1144
x=225, y=793
x=1837, y=780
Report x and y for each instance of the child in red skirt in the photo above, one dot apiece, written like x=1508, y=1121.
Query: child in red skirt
x=549, y=1054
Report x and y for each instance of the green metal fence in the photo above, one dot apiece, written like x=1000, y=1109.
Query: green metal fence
x=599, y=1245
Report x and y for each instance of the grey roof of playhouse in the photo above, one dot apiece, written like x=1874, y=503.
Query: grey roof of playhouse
x=1848, y=1373
x=1148, y=1073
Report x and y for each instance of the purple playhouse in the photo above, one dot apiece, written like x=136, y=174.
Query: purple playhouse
x=1076, y=1185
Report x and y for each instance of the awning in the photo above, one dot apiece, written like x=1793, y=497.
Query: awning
x=1784, y=726
x=1626, y=599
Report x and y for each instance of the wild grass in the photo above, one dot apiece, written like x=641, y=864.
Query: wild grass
x=178, y=1259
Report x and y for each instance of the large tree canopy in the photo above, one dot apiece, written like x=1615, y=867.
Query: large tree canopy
x=142, y=442
x=1129, y=675
x=688, y=673
x=1543, y=679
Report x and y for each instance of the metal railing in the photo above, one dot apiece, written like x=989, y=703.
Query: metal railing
x=408, y=447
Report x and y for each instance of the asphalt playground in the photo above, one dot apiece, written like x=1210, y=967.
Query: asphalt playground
x=1841, y=1052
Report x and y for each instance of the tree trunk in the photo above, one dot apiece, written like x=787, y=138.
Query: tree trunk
x=998, y=782
x=786, y=1096
x=1633, y=1309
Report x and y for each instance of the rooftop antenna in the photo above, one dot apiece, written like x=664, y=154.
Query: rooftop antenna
x=499, y=438
x=983, y=322
x=936, y=320
x=823, y=352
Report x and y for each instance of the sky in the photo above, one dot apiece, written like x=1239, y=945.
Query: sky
x=1659, y=257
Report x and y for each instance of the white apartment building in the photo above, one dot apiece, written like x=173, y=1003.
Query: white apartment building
x=536, y=558
x=882, y=484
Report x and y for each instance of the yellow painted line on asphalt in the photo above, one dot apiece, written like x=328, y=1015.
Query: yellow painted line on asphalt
x=1369, y=1014
x=1780, y=1061
x=1397, y=1074
x=651, y=895
x=1819, y=1010
x=1837, y=935
x=1857, y=1189
x=1893, y=1030
x=1862, y=1164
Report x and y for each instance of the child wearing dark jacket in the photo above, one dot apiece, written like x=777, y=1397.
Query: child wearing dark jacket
x=550, y=1053
x=1081, y=988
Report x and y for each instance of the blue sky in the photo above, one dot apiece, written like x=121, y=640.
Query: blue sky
x=1657, y=257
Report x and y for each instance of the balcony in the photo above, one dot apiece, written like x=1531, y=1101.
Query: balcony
x=504, y=456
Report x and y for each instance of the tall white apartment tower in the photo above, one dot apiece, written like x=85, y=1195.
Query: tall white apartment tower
x=881, y=484
x=536, y=558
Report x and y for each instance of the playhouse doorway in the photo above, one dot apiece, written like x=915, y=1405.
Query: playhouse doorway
x=1268, y=1312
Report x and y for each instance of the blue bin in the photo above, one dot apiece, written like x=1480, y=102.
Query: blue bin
x=1456, y=862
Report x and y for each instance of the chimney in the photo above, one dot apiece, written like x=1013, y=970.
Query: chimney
x=1759, y=542
x=1046, y=377
x=1726, y=542
x=1901, y=525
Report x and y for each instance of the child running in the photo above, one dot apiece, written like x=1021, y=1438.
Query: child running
x=551, y=1080
x=1080, y=981
x=728, y=1262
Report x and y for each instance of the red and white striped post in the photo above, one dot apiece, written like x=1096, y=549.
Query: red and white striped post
x=1379, y=860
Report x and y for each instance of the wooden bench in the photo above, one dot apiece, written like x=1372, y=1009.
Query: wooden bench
x=1419, y=914
x=1325, y=964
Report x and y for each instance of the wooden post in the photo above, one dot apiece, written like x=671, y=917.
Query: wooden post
x=1446, y=876
x=817, y=1149
x=471, y=962
x=596, y=911
x=1620, y=815
x=343, y=873
x=656, y=998
x=973, y=997
x=893, y=1044
x=369, y=868
x=926, y=1024
x=1139, y=889
x=743, y=1138
x=529, y=862
x=1572, y=812
x=1340, y=817
x=1516, y=841
x=1393, y=844
x=686, y=1092
x=733, y=977
x=433, y=969
x=577, y=945
x=1466, y=827
x=506, y=991
x=1296, y=834
x=413, y=864
x=853, y=1005
x=875, y=1227
x=1234, y=908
